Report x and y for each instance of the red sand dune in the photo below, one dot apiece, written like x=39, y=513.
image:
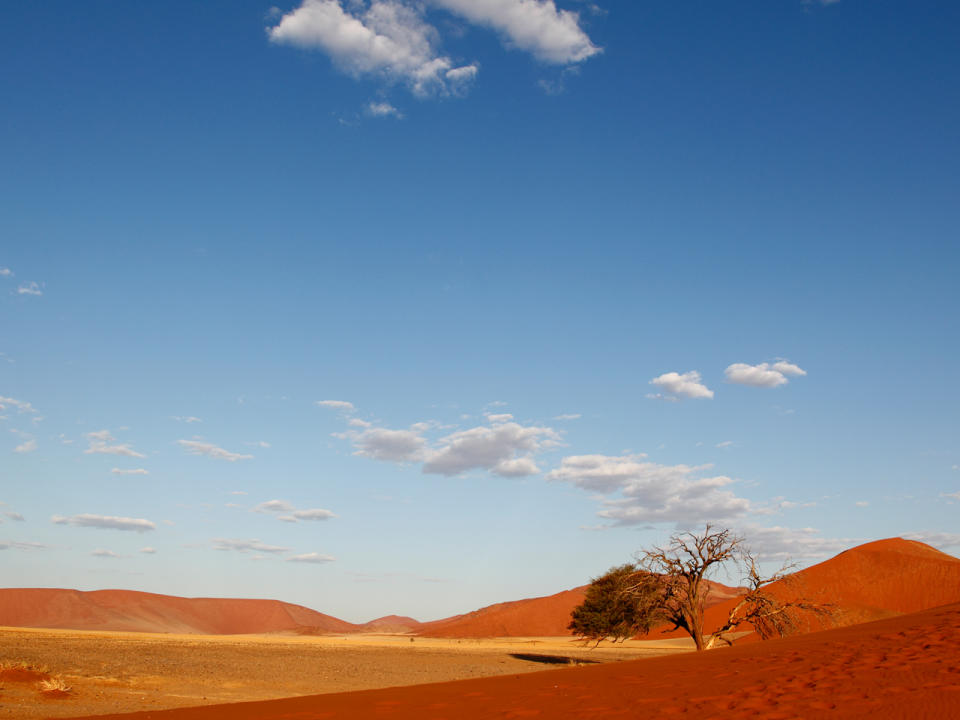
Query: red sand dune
x=127, y=610
x=391, y=624
x=900, y=667
x=535, y=617
x=869, y=582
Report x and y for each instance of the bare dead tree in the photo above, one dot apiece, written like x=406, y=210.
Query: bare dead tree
x=680, y=570
x=769, y=615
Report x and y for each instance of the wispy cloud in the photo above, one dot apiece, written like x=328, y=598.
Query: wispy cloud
x=27, y=446
x=20, y=405
x=314, y=558
x=189, y=419
x=134, y=471
x=30, y=288
x=148, y=551
x=676, y=385
x=291, y=513
x=568, y=416
x=25, y=546
x=336, y=405
x=15, y=516
x=198, y=446
x=765, y=375
x=382, y=109
x=102, y=442
x=247, y=546
x=6, y=272
x=105, y=554
x=105, y=522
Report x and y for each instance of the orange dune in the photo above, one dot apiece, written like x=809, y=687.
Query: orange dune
x=128, y=610
x=900, y=667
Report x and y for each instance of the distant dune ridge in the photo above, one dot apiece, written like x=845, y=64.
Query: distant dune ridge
x=873, y=581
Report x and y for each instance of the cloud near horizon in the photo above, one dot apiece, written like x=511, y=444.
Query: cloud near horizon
x=640, y=492
x=105, y=522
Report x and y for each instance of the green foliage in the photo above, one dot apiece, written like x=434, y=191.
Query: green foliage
x=619, y=604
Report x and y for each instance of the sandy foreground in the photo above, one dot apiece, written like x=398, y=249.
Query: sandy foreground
x=114, y=672
x=903, y=667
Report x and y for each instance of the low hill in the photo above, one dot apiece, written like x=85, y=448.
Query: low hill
x=131, y=611
x=391, y=624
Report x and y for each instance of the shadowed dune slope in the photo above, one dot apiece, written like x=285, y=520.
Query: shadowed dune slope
x=896, y=668
x=535, y=617
x=131, y=611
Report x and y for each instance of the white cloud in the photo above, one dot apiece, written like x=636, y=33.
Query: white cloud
x=766, y=375
x=273, y=506
x=382, y=109
x=199, y=447
x=26, y=546
x=336, y=405
x=148, y=551
x=390, y=445
x=938, y=540
x=357, y=422
x=105, y=554
x=536, y=26
x=504, y=449
x=136, y=471
x=781, y=543
x=105, y=522
x=498, y=419
x=102, y=442
x=239, y=492
x=315, y=558
x=27, y=446
x=6, y=272
x=725, y=444
x=687, y=384
x=261, y=444
x=862, y=503
x=568, y=416
x=650, y=492
x=189, y=419
x=388, y=39
x=952, y=496
x=245, y=546
x=29, y=288
x=313, y=514
x=21, y=406
x=15, y=516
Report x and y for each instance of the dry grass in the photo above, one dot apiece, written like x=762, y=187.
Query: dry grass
x=55, y=684
x=24, y=666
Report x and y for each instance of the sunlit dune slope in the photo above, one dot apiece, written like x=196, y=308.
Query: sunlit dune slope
x=900, y=667
x=868, y=582
x=127, y=610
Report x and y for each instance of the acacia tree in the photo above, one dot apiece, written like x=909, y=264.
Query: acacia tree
x=669, y=584
x=615, y=607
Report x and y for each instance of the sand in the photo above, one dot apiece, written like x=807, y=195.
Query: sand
x=901, y=667
x=123, y=672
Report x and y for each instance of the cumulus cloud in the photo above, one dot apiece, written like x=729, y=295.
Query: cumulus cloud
x=29, y=288
x=15, y=516
x=388, y=39
x=246, y=546
x=148, y=551
x=27, y=446
x=198, y=446
x=272, y=506
x=940, y=540
x=781, y=543
x=313, y=514
x=102, y=442
x=134, y=471
x=535, y=26
x=687, y=385
x=390, y=445
x=336, y=405
x=765, y=375
x=314, y=558
x=504, y=449
x=646, y=492
x=105, y=522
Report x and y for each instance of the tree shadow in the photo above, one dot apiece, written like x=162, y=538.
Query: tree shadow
x=552, y=659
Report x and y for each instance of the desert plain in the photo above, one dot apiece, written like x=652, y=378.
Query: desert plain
x=889, y=652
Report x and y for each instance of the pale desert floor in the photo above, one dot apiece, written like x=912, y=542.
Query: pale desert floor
x=112, y=672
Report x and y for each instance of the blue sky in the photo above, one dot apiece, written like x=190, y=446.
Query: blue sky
x=388, y=306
